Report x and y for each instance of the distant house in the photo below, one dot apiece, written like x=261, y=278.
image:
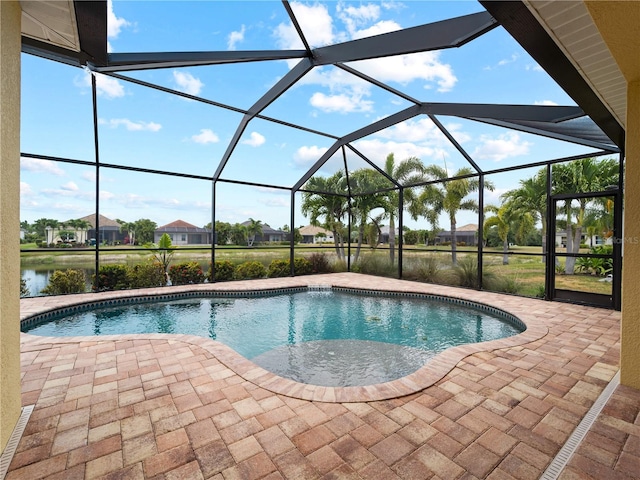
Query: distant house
x=384, y=234
x=109, y=230
x=268, y=234
x=183, y=233
x=466, y=233
x=312, y=234
x=591, y=241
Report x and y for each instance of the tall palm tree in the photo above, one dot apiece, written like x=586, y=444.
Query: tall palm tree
x=508, y=219
x=325, y=203
x=406, y=172
x=581, y=176
x=254, y=228
x=531, y=197
x=364, y=185
x=238, y=234
x=130, y=228
x=450, y=196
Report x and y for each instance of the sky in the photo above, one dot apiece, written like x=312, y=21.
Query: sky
x=152, y=129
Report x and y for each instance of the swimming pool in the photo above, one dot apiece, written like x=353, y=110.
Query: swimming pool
x=323, y=337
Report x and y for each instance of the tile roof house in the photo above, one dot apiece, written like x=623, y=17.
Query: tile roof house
x=466, y=233
x=310, y=234
x=268, y=234
x=109, y=229
x=183, y=233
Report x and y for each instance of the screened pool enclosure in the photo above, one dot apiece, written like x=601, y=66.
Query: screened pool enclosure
x=398, y=189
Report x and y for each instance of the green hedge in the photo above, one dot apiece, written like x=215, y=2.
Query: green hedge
x=111, y=277
x=224, y=270
x=66, y=281
x=149, y=274
x=250, y=270
x=186, y=273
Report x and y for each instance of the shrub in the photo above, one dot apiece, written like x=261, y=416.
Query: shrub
x=411, y=237
x=505, y=285
x=250, y=270
x=186, y=273
x=223, y=271
x=375, y=265
x=111, y=277
x=466, y=272
x=279, y=268
x=66, y=281
x=24, y=291
x=424, y=269
x=302, y=266
x=320, y=263
x=149, y=274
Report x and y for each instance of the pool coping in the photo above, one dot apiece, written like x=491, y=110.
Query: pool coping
x=424, y=377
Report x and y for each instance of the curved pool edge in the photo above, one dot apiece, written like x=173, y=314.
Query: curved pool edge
x=436, y=369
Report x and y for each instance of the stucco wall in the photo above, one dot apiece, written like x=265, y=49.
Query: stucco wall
x=618, y=22
x=630, y=343
x=10, y=218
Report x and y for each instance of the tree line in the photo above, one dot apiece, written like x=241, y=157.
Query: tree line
x=366, y=198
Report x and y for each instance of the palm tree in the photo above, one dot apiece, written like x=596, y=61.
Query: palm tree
x=531, y=197
x=254, y=228
x=366, y=182
x=407, y=172
x=325, y=203
x=508, y=218
x=450, y=196
x=130, y=228
x=581, y=176
x=238, y=234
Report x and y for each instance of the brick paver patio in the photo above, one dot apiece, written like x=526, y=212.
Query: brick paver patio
x=180, y=407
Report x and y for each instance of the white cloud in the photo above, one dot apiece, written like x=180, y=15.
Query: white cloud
x=503, y=62
x=315, y=22
x=114, y=23
x=422, y=130
x=353, y=17
x=130, y=125
x=70, y=187
x=187, y=83
x=404, y=69
x=89, y=176
x=40, y=166
x=105, y=86
x=503, y=146
x=377, y=150
x=205, y=136
x=307, y=155
x=347, y=93
x=341, y=103
x=254, y=140
x=545, y=102
x=534, y=67
x=384, y=26
x=275, y=202
x=235, y=37
x=25, y=189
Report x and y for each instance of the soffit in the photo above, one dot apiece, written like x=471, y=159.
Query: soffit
x=572, y=28
x=52, y=22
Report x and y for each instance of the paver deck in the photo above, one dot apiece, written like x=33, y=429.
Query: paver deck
x=181, y=407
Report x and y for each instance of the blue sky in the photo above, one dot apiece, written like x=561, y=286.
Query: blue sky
x=152, y=129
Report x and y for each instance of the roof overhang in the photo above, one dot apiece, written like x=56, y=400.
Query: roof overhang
x=66, y=31
x=566, y=42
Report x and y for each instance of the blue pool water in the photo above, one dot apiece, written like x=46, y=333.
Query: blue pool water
x=321, y=337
